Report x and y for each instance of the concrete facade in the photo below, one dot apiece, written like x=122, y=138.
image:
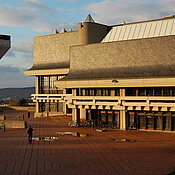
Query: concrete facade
x=112, y=80
x=89, y=33
x=150, y=57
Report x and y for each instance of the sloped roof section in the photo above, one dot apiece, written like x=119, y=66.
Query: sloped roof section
x=148, y=29
x=142, y=58
x=46, y=66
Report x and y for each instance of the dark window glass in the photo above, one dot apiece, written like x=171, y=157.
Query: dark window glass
x=41, y=107
x=150, y=122
x=168, y=123
x=77, y=92
x=173, y=91
x=47, y=84
x=69, y=91
x=98, y=92
x=130, y=92
x=166, y=92
x=117, y=92
x=142, y=122
x=86, y=92
x=149, y=92
x=141, y=92
x=91, y=92
x=157, y=92
x=105, y=92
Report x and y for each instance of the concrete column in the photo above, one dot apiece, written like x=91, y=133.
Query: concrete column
x=37, y=109
x=74, y=93
x=123, y=116
x=123, y=120
x=82, y=114
x=37, y=91
x=122, y=92
x=74, y=110
x=37, y=85
x=64, y=104
x=74, y=114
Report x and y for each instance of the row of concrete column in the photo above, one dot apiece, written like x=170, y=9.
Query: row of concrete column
x=77, y=114
x=80, y=114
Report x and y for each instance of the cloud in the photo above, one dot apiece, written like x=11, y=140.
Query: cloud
x=24, y=48
x=14, y=77
x=114, y=12
x=38, y=4
x=35, y=16
x=5, y=69
x=20, y=55
x=34, y=1
x=10, y=53
x=67, y=0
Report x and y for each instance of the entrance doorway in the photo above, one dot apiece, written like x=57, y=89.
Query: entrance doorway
x=104, y=118
x=132, y=122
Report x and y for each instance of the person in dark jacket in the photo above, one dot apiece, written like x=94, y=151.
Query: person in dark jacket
x=30, y=134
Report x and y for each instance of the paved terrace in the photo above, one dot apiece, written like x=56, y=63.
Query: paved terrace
x=99, y=153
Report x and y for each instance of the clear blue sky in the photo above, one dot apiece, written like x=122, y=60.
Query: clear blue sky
x=25, y=19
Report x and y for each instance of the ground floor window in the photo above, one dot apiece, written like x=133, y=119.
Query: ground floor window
x=51, y=107
x=104, y=118
x=151, y=120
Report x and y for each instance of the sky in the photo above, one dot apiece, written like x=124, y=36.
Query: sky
x=25, y=19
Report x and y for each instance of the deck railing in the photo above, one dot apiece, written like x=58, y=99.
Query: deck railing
x=109, y=101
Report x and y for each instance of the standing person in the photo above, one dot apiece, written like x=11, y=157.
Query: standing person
x=30, y=133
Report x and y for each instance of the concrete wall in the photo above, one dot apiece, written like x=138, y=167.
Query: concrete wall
x=53, y=49
x=91, y=32
x=13, y=124
x=151, y=57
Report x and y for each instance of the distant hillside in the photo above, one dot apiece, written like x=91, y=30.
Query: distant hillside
x=18, y=93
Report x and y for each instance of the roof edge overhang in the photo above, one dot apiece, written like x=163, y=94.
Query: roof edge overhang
x=46, y=72
x=115, y=82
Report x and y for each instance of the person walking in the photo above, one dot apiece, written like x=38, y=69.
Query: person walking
x=30, y=134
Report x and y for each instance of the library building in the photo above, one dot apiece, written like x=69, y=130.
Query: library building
x=120, y=76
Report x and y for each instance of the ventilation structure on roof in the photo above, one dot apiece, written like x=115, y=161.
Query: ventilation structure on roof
x=63, y=30
x=55, y=31
x=89, y=19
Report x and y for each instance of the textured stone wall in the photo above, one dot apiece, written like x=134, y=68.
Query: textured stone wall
x=53, y=50
x=152, y=57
